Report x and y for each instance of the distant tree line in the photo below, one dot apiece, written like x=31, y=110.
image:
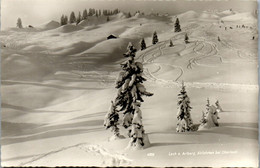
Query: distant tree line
x=85, y=14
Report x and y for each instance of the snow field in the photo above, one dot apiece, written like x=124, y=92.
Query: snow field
x=57, y=84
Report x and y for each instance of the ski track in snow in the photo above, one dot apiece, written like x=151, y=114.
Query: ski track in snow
x=199, y=45
x=109, y=158
x=153, y=54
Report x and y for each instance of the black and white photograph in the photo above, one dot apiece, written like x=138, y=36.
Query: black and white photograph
x=158, y=83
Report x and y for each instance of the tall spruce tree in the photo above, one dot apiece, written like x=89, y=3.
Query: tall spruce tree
x=129, y=98
x=184, y=123
x=177, y=26
x=72, y=17
x=155, y=38
x=19, y=23
x=143, y=45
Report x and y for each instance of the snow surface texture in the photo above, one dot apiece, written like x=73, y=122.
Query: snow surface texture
x=57, y=83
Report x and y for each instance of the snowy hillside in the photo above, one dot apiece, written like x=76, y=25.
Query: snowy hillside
x=58, y=83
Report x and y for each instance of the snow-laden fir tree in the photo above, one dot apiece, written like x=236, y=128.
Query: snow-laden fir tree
x=72, y=17
x=143, y=45
x=209, y=118
x=177, y=26
x=111, y=121
x=171, y=44
x=130, y=92
x=19, y=23
x=184, y=123
x=186, y=38
x=155, y=38
x=219, y=108
x=203, y=118
x=139, y=139
x=78, y=18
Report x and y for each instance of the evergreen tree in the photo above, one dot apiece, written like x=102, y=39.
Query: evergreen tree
x=177, y=26
x=62, y=20
x=184, y=123
x=171, y=44
x=209, y=118
x=65, y=21
x=85, y=14
x=79, y=18
x=203, y=118
x=72, y=17
x=108, y=19
x=19, y=23
x=186, y=38
x=111, y=121
x=96, y=13
x=219, y=108
x=129, y=15
x=129, y=98
x=155, y=38
x=99, y=12
x=143, y=45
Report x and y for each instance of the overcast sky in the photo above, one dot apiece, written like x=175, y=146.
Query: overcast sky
x=36, y=12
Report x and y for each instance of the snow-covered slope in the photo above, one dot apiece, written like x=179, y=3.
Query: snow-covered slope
x=57, y=85
x=50, y=25
x=241, y=17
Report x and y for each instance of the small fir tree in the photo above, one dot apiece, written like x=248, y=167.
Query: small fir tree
x=78, y=18
x=72, y=17
x=186, y=38
x=185, y=122
x=203, y=118
x=65, y=21
x=19, y=23
x=62, y=20
x=129, y=15
x=143, y=45
x=111, y=121
x=108, y=19
x=155, y=38
x=210, y=117
x=219, y=108
x=171, y=44
x=177, y=26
